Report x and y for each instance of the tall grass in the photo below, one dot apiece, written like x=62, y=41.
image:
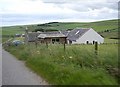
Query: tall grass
x=77, y=65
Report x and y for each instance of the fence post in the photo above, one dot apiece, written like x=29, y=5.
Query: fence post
x=96, y=48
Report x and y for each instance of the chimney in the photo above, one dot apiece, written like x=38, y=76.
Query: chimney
x=60, y=32
x=26, y=30
x=26, y=35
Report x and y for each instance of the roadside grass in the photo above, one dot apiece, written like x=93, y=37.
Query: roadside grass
x=4, y=39
x=77, y=65
x=19, y=38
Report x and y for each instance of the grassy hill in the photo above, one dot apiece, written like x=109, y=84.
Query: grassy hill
x=108, y=28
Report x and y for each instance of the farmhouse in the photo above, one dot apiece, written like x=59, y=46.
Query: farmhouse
x=75, y=36
x=84, y=36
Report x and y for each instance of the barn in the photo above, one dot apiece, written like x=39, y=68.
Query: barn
x=84, y=36
x=52, y=37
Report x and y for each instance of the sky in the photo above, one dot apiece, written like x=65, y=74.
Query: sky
x=22, y=12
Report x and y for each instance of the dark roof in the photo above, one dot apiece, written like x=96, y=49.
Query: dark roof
x=51, y=34
x=32, y=36
x=65, y=32
x=73, y=35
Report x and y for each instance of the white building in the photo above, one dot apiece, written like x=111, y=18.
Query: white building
x=84, y=36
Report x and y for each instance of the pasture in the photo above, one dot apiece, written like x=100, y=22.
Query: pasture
x=9, y=32
x=99, y=26
x=77, y=65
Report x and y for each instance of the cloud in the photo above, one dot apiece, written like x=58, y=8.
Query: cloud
x=40, y=11
x=85, y=5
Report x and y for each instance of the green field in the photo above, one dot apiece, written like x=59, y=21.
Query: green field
x=106, y=40
x=12, y=30
x=100, y=26
x=77, y=65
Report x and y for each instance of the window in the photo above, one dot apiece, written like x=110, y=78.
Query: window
x=55, y=40
x=93, y=42
x=87, y=42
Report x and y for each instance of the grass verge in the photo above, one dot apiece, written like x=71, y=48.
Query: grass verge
x=77, y=65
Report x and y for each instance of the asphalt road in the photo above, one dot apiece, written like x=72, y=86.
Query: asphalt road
x=0, y=64
x=14, y=72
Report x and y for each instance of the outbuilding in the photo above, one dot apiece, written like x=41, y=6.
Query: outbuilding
x=52, y=37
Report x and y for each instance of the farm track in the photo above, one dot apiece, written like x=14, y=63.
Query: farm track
x=14, y=72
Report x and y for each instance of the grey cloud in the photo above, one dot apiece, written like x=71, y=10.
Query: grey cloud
x=59, y=1
x=77, y=7
x=82, y=5
x=82, y=13
x=21, y=18
x=113, y=6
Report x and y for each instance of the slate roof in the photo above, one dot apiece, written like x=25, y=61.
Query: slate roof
x=32, y=36
x=65, y=32
x=51, y=34
x=73, y=35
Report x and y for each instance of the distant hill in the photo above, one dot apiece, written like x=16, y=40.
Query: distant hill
x=107, y=28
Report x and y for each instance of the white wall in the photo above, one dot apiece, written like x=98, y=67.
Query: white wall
x=90, y=36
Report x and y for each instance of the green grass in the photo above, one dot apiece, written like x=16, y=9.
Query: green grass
x=5, y=39
x=106, y=40
x=77, y=65
x=97, y=26
x=110, y=34
x=13, y=30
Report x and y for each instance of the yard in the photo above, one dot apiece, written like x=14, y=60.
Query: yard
x=77, y=65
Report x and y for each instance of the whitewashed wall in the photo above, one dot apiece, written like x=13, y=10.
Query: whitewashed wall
x=90, y=36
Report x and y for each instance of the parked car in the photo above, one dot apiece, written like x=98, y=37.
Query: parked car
x=17, y=35
x=17, y=42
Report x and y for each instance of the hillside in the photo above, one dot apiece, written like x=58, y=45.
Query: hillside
x=108, y=28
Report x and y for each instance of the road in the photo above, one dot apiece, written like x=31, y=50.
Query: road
x=14, y=72
x=0, y=64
